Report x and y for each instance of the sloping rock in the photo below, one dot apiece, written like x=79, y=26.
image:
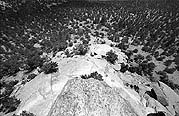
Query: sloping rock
x=65, y=93
x=82, y=97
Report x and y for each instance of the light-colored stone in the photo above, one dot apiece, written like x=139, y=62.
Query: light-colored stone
x=46, y=94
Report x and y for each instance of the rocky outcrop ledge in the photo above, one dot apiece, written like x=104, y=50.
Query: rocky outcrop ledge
x=65, y=93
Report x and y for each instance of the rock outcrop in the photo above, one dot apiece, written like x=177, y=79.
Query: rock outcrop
x=93, y=77
x=65, y=93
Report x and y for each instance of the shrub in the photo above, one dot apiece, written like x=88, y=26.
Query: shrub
x=156, y=54
x=85, y=41
x=70, y=44
x=49, y=67
x=124, y=67
x=8, y=104
x=111, y=57
x=94, y=75
x=170, y=70
x=24, y=113
x=168, y=62
x=81, y=49
x=67, y=53
x=10, y=66
x=132, y=69
x=8, y=88
x=149, y=57
x=139, y=70
x=135, y=50
x=160, y=58
x=151, y=66
x=146, y=49
x=156, y=114
x=34, y=62
x=31, y=76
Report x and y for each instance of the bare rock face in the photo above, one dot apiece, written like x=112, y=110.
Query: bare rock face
x=69, y=93
x=90, y=97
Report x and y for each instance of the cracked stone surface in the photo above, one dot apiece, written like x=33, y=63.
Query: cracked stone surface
x=90, y=98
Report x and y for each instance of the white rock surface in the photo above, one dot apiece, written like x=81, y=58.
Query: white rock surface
x=46, y=94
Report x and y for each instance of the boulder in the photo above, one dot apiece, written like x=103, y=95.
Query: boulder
x=66, y=93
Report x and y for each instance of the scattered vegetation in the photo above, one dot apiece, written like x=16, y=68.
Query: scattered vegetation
x=24, y=24
x=8, y=103
x=156, y=114
x=135, y=87
x=81, y=49
x=31, y=76
x=24, y=113
x=33, y=61
x=10, y=66
x=124, y=68
x=94, y=75
x=49, y=67
x=170, y=70
x=111, y=57
x=28, y=60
